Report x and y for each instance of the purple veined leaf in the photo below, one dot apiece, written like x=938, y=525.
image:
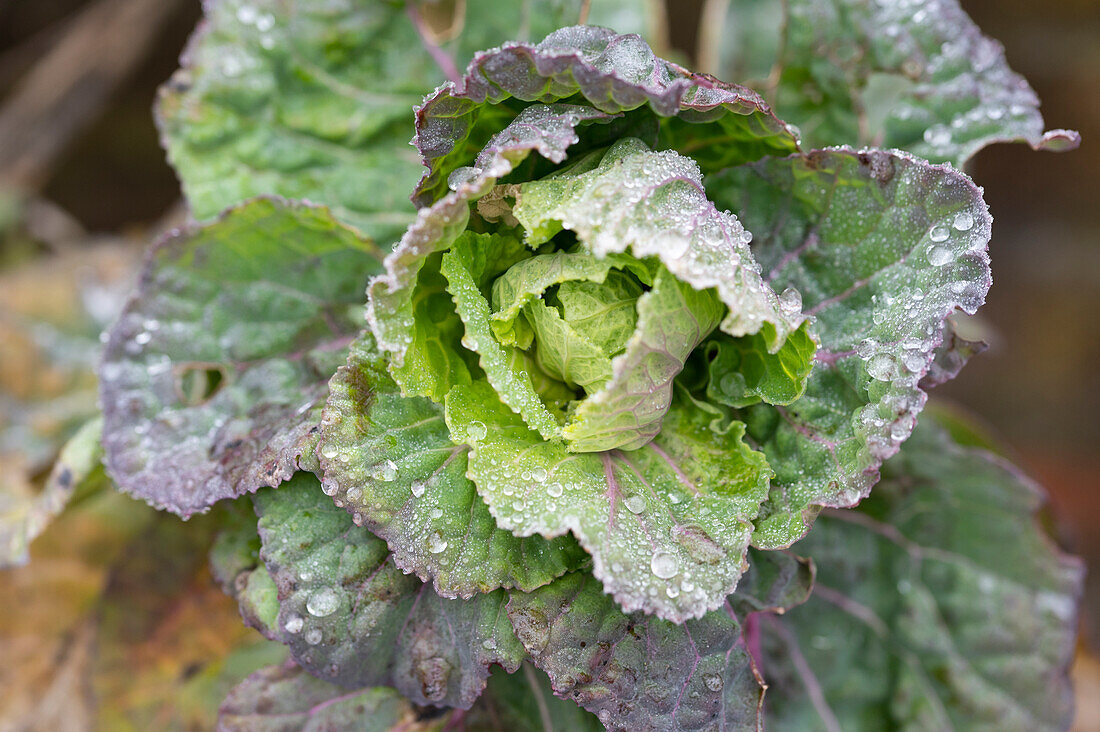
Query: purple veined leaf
x=214, y=376
x=390, y=462
x=312, y=100
x=917, y=76
x=667, y=525
x=940, y=604
x=636, y=672
x=286, y=698
x=612, y=73
x=883, y=247
x=350, y=616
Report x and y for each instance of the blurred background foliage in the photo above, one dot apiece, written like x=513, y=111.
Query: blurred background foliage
x=108, y=628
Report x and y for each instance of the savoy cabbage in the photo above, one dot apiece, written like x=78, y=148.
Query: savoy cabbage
x=593, y=413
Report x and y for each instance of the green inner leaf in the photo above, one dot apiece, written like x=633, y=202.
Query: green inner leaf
x=389, y=460
x=742, y=372
x=667, y=525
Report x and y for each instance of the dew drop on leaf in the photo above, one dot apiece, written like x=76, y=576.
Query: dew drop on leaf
x=664, y=565
x=636, y=504
x=386, y=471
x=938, y=233
x=293, y=623
x=939, y=256
x=476, y=431
x=323, y=602
x=790, y=301
x=881, y=366
x=436, y=543
x=713, y=682
x=313, y=636
x=964, y=221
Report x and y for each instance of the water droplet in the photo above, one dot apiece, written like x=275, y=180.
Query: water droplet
x=329, y=451
x=790, y=301
x=436, y=513
x=313, y=636
x=323, y=602
x=664, y=565
x=436, y=543
x=866, y=348
x=635, y=503
x=939, y=256
x=386, y=471
x=963, y=221
x=293, y=623
x=881, y=366
x=555, y=490
x=418, y=487
x=938, y=233
x=476, y=431
x=539, y=474
x=713, y=682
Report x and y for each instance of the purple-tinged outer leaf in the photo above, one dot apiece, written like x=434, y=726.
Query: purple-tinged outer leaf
x=775, y=582
x=883, y=248
x=312, y=100
x=214, y=376
x=613, y=73
x=941, y=604
x=389, y=460
x=287, y=699
x=634, y=671
x=919, y=76
x=951, y=356
x=350, y=616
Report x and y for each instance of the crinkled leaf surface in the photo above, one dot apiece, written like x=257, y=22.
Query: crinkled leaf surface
x=466, y=268
x=667, y=525
x=611, y=72
x=350, y=615
x=287, y=699
x=396, y=315
x=883, y=247
x=941, y=604
x=635, y=671
x=742, y=372
x=311, y=99
x=627, y=412
x=913, y=75
x=525, y=702
x=390, y=461
x=653, y=204
x=775, y=582
x=214, y=376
